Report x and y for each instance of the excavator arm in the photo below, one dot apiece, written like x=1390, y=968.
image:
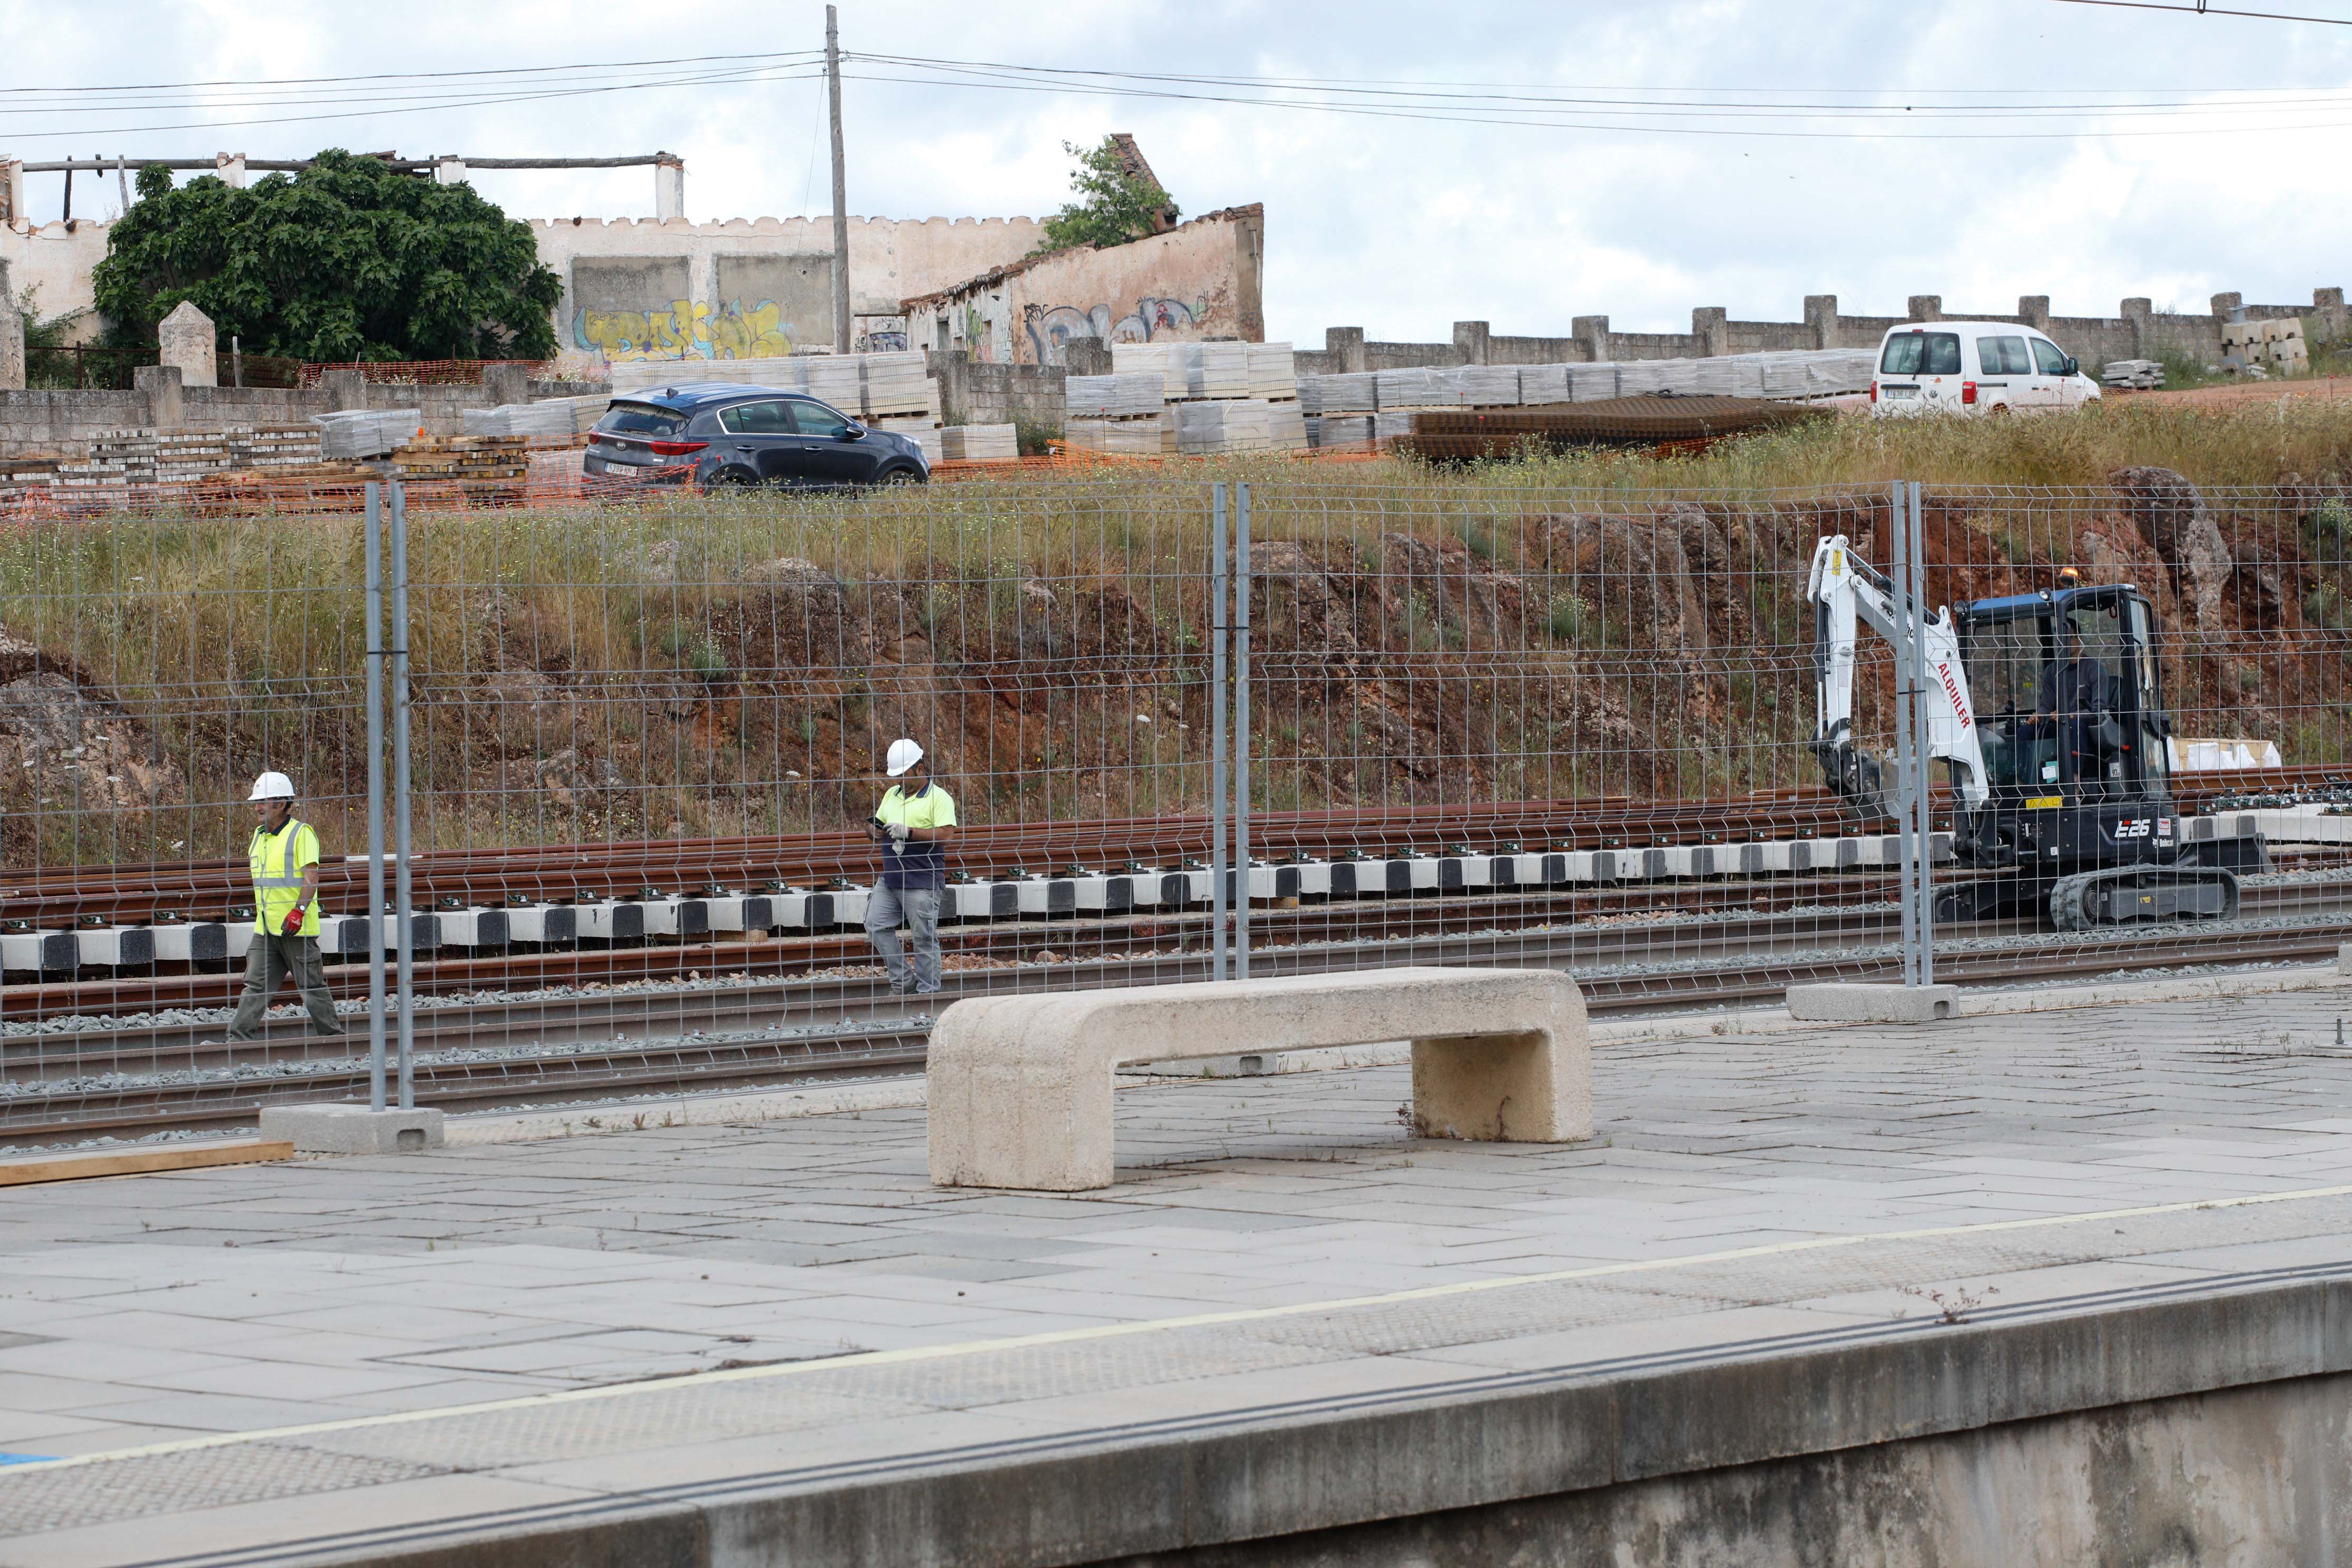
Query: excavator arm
x=1845, y=591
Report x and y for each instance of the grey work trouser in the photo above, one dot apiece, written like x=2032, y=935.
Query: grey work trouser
x=919, y=908
x=267, y=962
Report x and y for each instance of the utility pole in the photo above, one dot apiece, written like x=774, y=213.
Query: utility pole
x=840, y=188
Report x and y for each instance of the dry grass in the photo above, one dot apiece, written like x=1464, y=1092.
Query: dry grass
x=240, y=642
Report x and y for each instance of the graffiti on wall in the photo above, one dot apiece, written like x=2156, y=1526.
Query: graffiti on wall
x=685, y=329
x=881, y=334
x=1051, y=326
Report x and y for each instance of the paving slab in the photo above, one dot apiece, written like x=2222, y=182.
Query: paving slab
x=539, y=1318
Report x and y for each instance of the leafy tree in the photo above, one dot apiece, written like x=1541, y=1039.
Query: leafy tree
x=349, y=260
x=1114, y=206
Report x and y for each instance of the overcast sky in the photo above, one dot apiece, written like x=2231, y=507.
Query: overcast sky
x=1398, y=223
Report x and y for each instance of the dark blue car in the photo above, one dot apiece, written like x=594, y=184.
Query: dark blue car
x=727, y=434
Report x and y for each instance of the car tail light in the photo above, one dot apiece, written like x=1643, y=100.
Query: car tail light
x=1874, y=390
x=596, y=437
x=680, y=449
x=1968, y=392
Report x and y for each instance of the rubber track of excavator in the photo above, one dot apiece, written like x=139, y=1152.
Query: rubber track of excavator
x=2070, y=898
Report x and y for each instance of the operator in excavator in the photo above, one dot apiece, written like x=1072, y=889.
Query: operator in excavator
x=2074, y=703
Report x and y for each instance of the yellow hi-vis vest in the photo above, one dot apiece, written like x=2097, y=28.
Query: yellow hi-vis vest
x=278, y=861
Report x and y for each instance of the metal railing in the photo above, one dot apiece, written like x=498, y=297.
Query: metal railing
x=1287, y=721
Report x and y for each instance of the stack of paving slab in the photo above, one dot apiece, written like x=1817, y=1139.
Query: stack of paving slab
x=920, y=429
x=1273, y=371
x=1415, y=387
x=366, y=432
x=980, y=443
x=1543, y=384
x=1224, y=425
x=1346, y=393
x=1221, y=397
x=1119, y=413
x=552, y=418
x=272, y=446
x=1788, y=374
x=2133, y=374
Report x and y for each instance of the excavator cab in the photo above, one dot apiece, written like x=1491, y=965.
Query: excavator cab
x=2067, y=695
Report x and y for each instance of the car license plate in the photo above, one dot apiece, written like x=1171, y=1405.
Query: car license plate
x=1901, y=394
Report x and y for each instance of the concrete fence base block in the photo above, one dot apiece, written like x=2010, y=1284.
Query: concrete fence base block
x=1852, y=1004
x=2344, y=958
x=352, y=1129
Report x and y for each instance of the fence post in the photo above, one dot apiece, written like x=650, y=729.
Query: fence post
x=1242, y=732
x=1898, y=548
x=1924, y=825
x=1217, y=633
x=403, y=915
x=375, y=792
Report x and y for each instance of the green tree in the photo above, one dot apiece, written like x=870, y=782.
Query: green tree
x=349, y=260
x=1114, y=204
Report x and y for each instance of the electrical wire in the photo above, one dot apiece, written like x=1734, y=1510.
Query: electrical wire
x=745, y=74
x=736, y=58
x=996, y=79
x=2201, y=9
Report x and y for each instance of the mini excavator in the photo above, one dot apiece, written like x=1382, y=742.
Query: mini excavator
x=2047, y=712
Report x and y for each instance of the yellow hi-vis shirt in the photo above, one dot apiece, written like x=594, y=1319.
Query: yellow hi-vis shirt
x=919, y=863
x=278, y=861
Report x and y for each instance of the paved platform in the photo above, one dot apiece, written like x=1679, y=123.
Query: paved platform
x=688, y=1328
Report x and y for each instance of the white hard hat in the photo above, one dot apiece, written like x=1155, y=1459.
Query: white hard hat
x=904, y=755
x=272, y=786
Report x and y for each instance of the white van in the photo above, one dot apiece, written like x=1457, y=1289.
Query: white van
x=1974, y=367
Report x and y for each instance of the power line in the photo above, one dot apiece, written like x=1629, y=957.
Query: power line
x=749, y=74
x=997, y=80
x=1909, y=100
x=2201, y=9
x=737, y=58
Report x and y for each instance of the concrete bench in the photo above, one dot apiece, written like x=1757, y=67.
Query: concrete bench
x=1020, y=1091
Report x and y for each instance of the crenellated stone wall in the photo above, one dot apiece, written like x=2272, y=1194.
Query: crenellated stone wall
x=2138, y=331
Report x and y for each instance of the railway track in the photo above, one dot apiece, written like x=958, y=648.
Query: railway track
x=59, y=896
x=127, y=1082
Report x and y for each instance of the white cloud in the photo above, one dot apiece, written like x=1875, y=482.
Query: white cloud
x=1396, y=224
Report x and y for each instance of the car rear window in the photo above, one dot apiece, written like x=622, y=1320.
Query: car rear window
x=1921, y=353
x=757, y=419
x=641, y=419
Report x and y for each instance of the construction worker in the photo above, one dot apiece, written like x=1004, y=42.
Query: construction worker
x=285, y=861
x=913, y=827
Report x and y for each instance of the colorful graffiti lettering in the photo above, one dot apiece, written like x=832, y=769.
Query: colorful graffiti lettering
x=756, y=333
x=685, y=330
x=1052, y=326
x=885, y=341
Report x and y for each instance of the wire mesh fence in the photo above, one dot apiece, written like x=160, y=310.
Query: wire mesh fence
x=1480, y=719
